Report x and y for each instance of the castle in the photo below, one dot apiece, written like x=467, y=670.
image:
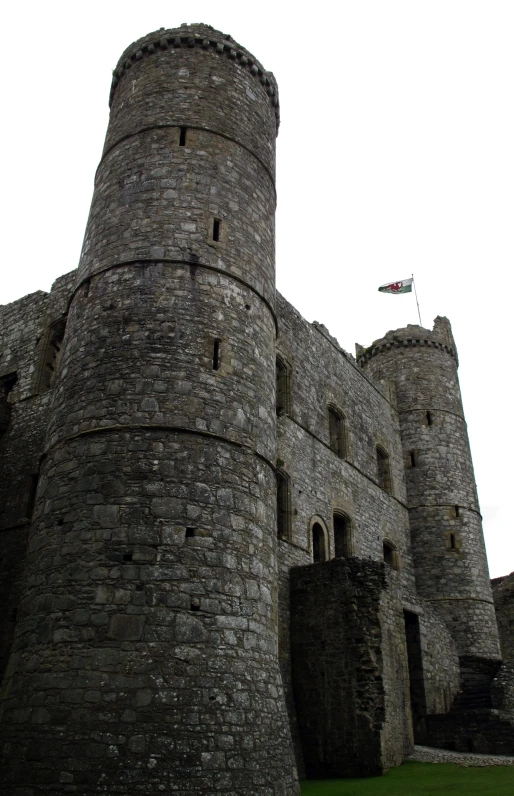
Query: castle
x=233, y=555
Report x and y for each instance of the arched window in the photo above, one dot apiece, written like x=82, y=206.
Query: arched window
x=283, y=393
x=337, y=432
x=383, y=470
x=283, y=505
x=390, y=553
x=342, y=535
x=319, y=543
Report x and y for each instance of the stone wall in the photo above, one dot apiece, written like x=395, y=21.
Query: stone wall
x=323, y=375
x=481, y=732
x=350, y=668
x=502, y=689
x=503, y=593
x=24, y=336
x=441, y=672
x=337, y=669
x=397, y=735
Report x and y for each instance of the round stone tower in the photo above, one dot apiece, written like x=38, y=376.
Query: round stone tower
x=446, y=527
x=145, y=657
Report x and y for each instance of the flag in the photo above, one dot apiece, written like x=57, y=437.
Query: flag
x=404, y=286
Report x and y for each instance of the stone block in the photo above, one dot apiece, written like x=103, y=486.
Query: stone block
x=126, y=628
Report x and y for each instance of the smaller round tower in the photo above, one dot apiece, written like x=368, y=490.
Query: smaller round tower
x=446, y=525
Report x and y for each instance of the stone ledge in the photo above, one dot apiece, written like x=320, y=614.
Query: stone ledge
x=429, y=754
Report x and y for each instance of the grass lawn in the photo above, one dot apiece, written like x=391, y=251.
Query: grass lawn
x=421, y=779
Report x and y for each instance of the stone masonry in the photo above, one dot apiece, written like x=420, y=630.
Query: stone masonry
x=232, y=554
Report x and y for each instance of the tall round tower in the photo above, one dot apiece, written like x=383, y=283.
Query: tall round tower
x=145, y=657
x=446, y=527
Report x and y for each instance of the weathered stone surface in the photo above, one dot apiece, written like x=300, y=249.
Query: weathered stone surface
x=333, y=654
x=503, y=593
x=145, y=548
x=156, y=494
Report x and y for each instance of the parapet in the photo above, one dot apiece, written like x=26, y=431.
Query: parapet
x=196, y=35
x=440, y=337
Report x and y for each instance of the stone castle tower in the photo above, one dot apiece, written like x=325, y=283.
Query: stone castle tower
x=444, y=514
x=156, y=488
x=224, y=538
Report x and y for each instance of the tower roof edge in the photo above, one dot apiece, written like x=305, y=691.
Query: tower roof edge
x=440, y=336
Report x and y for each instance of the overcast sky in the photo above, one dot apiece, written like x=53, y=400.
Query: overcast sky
x=395, y=156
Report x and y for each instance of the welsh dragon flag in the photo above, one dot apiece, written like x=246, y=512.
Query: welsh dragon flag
x=404, y=286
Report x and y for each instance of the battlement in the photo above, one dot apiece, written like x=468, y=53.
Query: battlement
x=412, y=335
x=190, y=36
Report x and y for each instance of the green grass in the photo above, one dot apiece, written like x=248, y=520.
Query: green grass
x=421, y=779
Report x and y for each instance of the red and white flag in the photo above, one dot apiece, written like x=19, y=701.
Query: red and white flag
x=403, y=286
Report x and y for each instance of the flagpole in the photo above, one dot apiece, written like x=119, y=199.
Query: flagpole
x=417, y=302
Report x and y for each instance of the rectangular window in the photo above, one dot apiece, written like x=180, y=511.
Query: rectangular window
x=283, y=505
x=383, y=470
x=182, y=139
x=216, y=230
x=283, y=393
x=216, y=355
x=337, y=432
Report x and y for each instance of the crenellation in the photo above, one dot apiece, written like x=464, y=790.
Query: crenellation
x=231, y=554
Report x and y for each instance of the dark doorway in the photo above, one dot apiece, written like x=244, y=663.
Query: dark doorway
x=416, y=679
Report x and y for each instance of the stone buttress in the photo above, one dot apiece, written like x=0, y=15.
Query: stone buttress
x=446, y=528
x=145, y=654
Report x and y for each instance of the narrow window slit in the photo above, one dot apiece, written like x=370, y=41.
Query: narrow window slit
x=283, y=387
x=429, y=418
x=283, y=505
x=216, y=229
x=412, y=455
x=31, y=494
x=383, y=470
x=453, y=544
x=216, y=355
x=457, y=511
x=182, y=140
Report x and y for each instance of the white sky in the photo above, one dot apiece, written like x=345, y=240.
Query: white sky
x=395, y=155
